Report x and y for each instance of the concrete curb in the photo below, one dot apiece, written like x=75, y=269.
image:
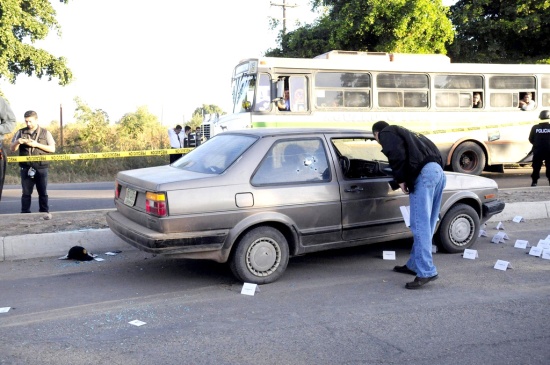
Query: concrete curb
x=102, y=240
x=32, y=246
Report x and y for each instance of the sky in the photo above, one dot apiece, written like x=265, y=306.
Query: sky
x=170, y=56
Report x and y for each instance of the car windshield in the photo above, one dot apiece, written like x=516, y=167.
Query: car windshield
x=215, y=155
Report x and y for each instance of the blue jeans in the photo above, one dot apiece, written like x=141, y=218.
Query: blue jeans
x=425, y=206
x=40, y=179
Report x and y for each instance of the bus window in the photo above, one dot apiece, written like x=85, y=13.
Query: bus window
x=342, y=89
x=402, y=98
x=298, y=93
x=263, y=93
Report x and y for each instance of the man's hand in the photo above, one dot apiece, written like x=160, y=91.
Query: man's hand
x=404, y=187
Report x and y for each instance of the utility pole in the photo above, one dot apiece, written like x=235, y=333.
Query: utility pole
x=284, y=5
x=61, y=125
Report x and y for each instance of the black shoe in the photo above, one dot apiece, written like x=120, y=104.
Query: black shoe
x=419, y=282
x=534, y=184
x=404, y=270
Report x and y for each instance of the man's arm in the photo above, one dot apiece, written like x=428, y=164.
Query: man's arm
x=7, y=118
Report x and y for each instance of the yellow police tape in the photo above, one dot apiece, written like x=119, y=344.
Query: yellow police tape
x=88, y=156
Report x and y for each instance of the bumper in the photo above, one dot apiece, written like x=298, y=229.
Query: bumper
x=200, y=245
x=491, y=208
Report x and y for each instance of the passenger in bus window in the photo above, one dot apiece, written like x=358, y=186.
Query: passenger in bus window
x=477, y=102
x=527, y=102
x=284, y=105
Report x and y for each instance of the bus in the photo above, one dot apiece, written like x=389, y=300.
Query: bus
x=422, y=92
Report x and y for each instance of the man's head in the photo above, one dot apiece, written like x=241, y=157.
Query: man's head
x=31, y=119
x=544, y=114
x=477, y=98
x=377, y=128
x=177, y=129
x=187, y=129
x=527, y=97
x=287, y=94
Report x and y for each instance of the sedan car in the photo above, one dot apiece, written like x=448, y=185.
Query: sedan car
x=256, y=197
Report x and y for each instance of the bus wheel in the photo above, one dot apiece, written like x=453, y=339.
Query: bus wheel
x=468, y=158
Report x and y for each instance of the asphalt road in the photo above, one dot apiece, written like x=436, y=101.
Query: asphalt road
x=337, y=307
x=85, y=196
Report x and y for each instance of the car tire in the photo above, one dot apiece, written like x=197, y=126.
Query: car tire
x=261, y=256
x=468, y=158
x=459, y=229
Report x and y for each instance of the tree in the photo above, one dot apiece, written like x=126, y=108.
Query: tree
x=503, y=31
x=94, y=133
x=200, y=112
x=140, y=130
x=23, y=22
x=404, y=26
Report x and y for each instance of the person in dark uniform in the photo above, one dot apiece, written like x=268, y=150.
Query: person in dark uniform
x=540, y=139
x=33, y=140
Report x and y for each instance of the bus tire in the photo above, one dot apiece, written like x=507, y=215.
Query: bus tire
x=468, y=158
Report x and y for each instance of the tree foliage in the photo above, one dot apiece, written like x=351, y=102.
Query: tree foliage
x=22, y=23
x=200, y=112
x=504, y=31
x=404, y=26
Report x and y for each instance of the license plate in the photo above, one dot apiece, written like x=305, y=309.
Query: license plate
x=130, y=198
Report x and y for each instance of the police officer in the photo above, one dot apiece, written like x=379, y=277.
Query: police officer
x=540, y=139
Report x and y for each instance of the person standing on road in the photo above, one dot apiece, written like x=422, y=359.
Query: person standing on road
x=7, y=124
x=540, y=139
x=417, y=168
x=33, y=141
x=175, y=141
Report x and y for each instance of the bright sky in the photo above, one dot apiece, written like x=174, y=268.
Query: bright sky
x=171, y=56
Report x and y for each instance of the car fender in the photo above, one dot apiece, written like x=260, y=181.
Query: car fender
x=458, y=197
x=264, y=218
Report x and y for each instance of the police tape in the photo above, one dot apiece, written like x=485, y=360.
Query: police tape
x=98, y=155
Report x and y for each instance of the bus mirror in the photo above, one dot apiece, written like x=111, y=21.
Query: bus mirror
x=280, y=89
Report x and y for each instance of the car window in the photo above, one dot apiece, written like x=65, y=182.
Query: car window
x=361, y=158
x=215, y=155
x=293, y=161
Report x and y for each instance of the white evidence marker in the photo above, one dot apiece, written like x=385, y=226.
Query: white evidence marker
x=249, y=289
x=388, y=255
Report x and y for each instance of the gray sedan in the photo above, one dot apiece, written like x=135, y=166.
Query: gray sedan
x=256, y=197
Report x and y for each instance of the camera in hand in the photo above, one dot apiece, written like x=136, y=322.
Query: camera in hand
x=31, y=172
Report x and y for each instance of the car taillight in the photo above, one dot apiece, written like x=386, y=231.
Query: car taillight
x=155, y=203
x=117, y=190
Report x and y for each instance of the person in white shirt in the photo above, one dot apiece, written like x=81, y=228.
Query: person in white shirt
x=176, y=141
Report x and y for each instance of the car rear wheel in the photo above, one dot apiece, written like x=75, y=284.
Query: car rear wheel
x=458, y=229
x=261, y=256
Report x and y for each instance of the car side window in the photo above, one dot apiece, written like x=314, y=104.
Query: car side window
x=360, y=158
x=293, y=161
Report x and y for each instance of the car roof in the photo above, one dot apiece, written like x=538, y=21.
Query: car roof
x=265, y=132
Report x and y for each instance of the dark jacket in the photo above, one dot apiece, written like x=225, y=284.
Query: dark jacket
x=40, y=136
x=540, y=137
x=408, y=153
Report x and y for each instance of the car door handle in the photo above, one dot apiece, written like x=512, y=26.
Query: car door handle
x=354, y=189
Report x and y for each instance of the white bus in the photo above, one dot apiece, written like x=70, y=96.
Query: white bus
x=425, y=93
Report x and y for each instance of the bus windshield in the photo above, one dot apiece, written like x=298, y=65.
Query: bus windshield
x=243, y=93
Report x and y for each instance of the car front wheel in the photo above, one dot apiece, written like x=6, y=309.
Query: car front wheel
x=458, y=229
x=261, y=256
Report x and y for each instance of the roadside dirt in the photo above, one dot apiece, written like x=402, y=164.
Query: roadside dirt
x=35, y=223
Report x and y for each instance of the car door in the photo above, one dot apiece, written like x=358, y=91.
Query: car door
x=370, y=207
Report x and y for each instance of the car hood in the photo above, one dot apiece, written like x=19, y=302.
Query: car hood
x=457, y=181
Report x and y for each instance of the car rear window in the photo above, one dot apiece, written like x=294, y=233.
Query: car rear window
x=215, y=155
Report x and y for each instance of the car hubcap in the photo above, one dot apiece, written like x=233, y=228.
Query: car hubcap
x=468, y=161
x=461, y=230
x=263, y=257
